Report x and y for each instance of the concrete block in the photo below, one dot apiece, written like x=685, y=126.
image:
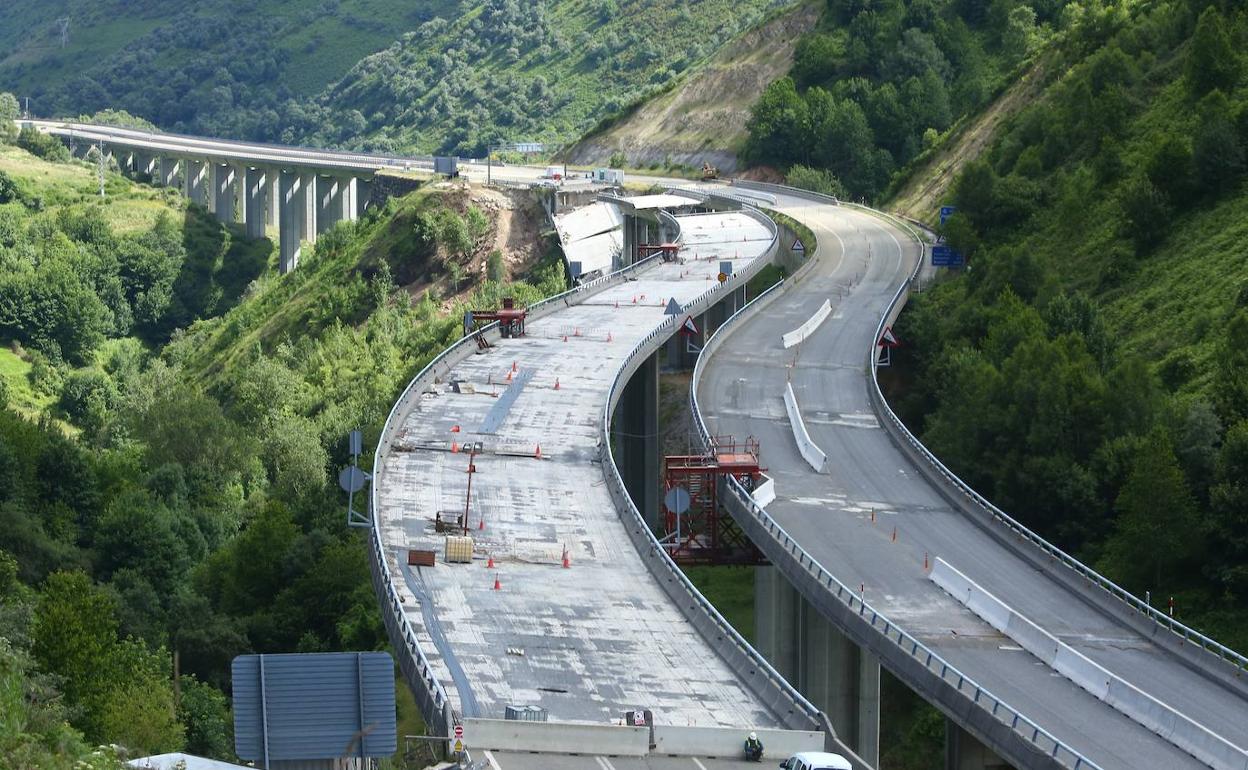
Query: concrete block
x=805, y=445
x=556, y=737
x=808, y=328
x=727, y=741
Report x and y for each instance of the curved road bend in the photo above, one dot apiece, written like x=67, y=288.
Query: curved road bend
x=864, y=260
x=600, y=637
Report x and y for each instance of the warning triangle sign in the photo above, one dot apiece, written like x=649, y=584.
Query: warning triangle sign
x=888, y=339
x=689, y=327
x=798, y=245
x=673, y=307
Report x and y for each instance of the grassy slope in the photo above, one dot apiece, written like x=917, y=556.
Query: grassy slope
x=704, y=115
x=442, y=89
x=130, y=208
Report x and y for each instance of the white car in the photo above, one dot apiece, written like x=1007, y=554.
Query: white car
x=816, y=760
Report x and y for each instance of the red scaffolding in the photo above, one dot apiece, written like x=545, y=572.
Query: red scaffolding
x=696, y=529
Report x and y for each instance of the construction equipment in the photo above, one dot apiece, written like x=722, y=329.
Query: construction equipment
x=510, y=319
x=709, y=172
x=696, y=530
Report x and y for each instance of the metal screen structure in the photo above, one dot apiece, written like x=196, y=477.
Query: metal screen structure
x=314, y=706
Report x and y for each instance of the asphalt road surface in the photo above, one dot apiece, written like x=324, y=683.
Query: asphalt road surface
x=863, y=262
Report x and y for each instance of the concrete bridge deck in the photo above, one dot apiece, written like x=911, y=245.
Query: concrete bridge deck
x=600, y=637
x=863, y=261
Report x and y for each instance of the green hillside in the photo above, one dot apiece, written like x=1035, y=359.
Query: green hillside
x=216, y=67
x=172, y=413
x=429, y=75
x=1087, y=371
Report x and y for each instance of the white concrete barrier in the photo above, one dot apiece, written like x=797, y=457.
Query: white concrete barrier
x=729, y=742
x=1194, y=738
x=810, y=452
x=765, y=492
x=805, y=330
x=556, y=737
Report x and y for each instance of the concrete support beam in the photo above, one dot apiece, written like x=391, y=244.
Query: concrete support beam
x=240, y=193
x=273, y=197
x=307, y=183
x=195, y=182
x=836, y=675
x=223, y=192
x=255, y=190
x=329, y=194
x=350, y=206
x=964, y=752
x=363, y=196
x=293, y=211
x=169, y=168
x=636, y=435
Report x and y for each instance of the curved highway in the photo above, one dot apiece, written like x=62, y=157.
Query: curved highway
x=845, y=518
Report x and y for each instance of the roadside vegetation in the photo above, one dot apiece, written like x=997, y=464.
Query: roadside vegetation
x=1087, y=371
x=172, y=413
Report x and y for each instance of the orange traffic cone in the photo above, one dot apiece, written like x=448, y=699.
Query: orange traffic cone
x=617, y=304
x=634, y=299
x=481, y=523
x=609, y=338
x=538, y=452
x=513, y=366
x=566, y=561
x=454, y=447
x=556, y=383
x=490, y=564
x=565, y=338
x=894, y=534
x=497, y=584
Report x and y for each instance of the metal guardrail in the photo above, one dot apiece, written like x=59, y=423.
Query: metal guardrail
x=661, y=563
x=430, y=694
x=930, y=660
x=1188, y=634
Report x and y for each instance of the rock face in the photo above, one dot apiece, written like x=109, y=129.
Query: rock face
x=703, y=119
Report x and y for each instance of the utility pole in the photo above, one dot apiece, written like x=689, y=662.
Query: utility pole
x=63, y=23
x=26, y=112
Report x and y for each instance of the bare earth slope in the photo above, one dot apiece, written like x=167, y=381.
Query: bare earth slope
x=703, y=118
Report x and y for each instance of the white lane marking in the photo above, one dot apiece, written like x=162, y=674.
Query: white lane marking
x=606, y=763
x=698, y=762
x=489, y=757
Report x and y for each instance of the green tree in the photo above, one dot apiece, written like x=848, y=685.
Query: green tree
x=9, y=112
x=495, y=270
x=75, y=636
x=1156, y=530
x=1231, y=378
x=1212, y=61
x=779, y=126
x=205, y=713
x=1229, y=510
x=1145, y=213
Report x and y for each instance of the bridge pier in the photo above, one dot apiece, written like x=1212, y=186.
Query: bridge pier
x=194, y=182
x=635, y=431
x=240, y=193
x=169, y=168
x=273, y=198
x=335, y=201
x=964, y=752
x=223, y=179
x=363, y=195
x=307, y=183
x=255, y=194
x=835, y=674
x=292, y=211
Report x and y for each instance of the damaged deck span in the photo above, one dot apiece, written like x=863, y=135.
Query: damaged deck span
x=601, y=636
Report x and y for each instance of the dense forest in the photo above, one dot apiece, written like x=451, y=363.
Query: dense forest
x=170, y=416
x=877, y=83
x=1087, y=370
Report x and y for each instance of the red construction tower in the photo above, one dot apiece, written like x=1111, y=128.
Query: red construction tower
x=696, y=529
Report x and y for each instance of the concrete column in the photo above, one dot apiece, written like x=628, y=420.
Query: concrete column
x=636, y=433
x=776, y=604
x=293, y=210
x=628, y=254
x=273, y=198
x=328, y=202
x=363, y=196
x=964, y=752
x=240, y=193
x=350, y=206
x=195, y=182
x=255, y=189
x=307, y=182
x=223, y=192
x=837, y=676
x=168, y=172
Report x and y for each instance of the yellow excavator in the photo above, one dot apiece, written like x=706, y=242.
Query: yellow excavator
x=709, y=172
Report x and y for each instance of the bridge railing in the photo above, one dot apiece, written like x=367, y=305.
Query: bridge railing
x=430, y=695
x=772, y=688
x=1133, y=602
x=779, y=546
